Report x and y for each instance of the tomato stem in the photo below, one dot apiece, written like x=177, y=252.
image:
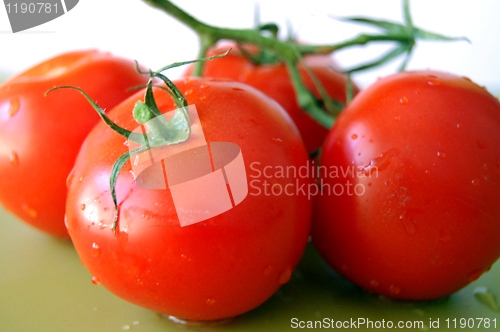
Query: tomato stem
x=288, y=52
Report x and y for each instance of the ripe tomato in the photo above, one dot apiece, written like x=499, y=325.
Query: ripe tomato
x=274, y=81
x=214, y=269
x=40, y=136
x=420, y=152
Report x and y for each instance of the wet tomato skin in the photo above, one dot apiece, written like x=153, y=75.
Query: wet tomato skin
x=40, y=136
x=214, y=269
x=425, y=150
x=273, y=79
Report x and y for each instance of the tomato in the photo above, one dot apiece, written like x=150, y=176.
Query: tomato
x=274, y=80
x=418, y=217
x=216, y=268
x=40, y=136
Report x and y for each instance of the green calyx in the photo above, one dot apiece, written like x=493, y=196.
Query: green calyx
x=161, y=132
x=272, y=50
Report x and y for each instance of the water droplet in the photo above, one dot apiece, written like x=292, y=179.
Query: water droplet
x=81, y=178
x=95, y=281
x=70, y=178
x=188, y=92
x=210, y=301
x=203, y=97
x=238, y=89
x=14, y=106
x=474, y=275
x=96, y=250
x=394, y=290
x=278, y=141
x=354, y=136
x=268, y=270
x=126, y=327
x=285, y=275
x=31, y=212
x=409, y=225
x=466, y=78
x=459, y=126
x=126, y=143
x=14, y=159
x=403, y=100
x=187, y=80
x=379, y=163
x=82, y=207
x=397, y=118
x=205, y=85
x=475, y=182
x=136, y=322
x=66, y=221
x=434, y=82
x=441, y=155
x=485, y=296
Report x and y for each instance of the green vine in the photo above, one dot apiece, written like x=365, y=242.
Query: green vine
x=403, y=35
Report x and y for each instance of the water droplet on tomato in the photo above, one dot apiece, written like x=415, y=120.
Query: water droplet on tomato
x=379, y=163
x=126, y=327
x=203, y=97
x=354, y=136
x=278, y=141
x=238, y=89
x=210, y=301
x=188, y=92
x=474, y=275
x=96, y=250
x=404, y=100
x=466, y=78
x=126, y=143
x=95, y=281
x=70, y=178
x=14, y=106
x=14, y=159
x=82, y=207
x=31, y=212
x=394, y=290
x=410, y=227
x=486, y=297
x=205, y=85
x=434, y=82
x=268, y=270
x=81, y=178
x=441, y=155
x=475, y=182
x=136, y=322
x=285, y=275
x=397, y=118
x=66, y=221
x=459, y=126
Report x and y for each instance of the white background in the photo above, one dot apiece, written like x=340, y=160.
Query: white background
x=132, y=29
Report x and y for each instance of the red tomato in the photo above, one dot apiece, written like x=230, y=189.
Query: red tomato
x=274, y=81
x=217, y=268
x=419, y=215
x=40, y=136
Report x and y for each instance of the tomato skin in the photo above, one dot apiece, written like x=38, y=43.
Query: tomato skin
x=40, y=136
x=214, y=269
x=274, y=81
x=428, y=222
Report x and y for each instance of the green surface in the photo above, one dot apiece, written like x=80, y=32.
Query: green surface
x=44, y=287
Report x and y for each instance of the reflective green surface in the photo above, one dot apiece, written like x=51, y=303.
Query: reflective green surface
x=44, y=287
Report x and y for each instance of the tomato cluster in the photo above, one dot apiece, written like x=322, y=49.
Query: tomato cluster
x=405, y=204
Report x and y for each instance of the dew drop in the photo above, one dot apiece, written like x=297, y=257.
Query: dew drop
x=126, y=327
x=203, y=97
x=475, y=182
x=126, y=143
x=459, y=126
x=410, y=227
x=278, y=141
x=441, y=155
x=474, y=275
x=188, y=92
x=434, y=82
x=285, y=275
x=95, y=281
x=210, y=301
x=70, y=178
x=136, y=322
x=14, y=159
x=238, y=89
x=31, y=212
x=354, y=136
x=66, y=221
x=403, y=100
x=82, y=207
x=466, y=78
x=81, y=178
x=397, y=118
x=96, y=250
x=14, y=106
x=268, y=270
x=485, y=296
x=394, y=290
x=205, y=85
